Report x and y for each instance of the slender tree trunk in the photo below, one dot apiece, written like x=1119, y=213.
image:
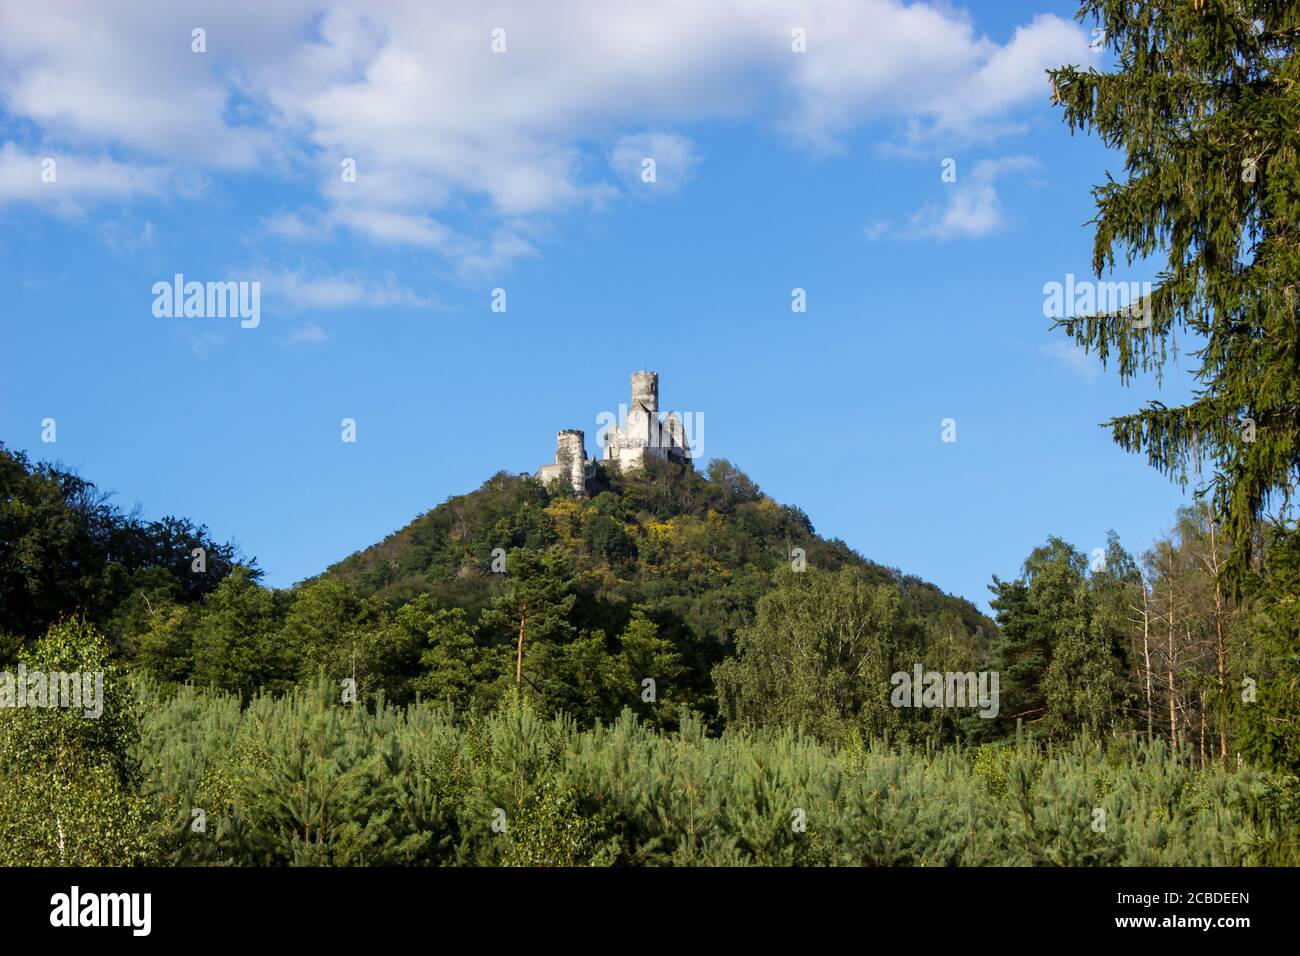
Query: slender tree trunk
x=1146, y=656
x=1170, y=657
x=1221, y=652
x=1202, y=728
x=1220, y=643
x=519, y=659
x=58, y=773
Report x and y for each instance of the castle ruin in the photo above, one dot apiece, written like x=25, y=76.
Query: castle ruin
x=641, y=433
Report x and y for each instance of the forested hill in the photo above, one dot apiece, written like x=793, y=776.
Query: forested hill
x=660, y=574
x=697, y=550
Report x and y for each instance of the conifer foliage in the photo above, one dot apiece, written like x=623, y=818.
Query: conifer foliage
x=1204, y=102
x=307, y=779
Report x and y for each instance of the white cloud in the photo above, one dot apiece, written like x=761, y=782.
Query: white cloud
x=78, y=181
x=674, y=158
x=293, y=226
x=875, y=229
x=1017, y=71
x=308, y=335
x=125, y=239
x=388, y=226
x=1074, y=358
x=439, y=124
x=971, y=208
x=483, y=258
x=302, y=292
x=124, y=74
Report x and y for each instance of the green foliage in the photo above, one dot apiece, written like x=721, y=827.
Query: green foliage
x=697, y=551
x=1061, y=652
x=1202, y=103
x=651, y=579
x=455, y=670
x=819, y=656
x=607, y=541
x=69, y=785
x=163, y=646
x=65, y=550
x=1269, y=727
x=305, y=779
x=237, y=646
x=644, y=654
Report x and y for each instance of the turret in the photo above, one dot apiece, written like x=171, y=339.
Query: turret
x=645, y=390
x=571, y=454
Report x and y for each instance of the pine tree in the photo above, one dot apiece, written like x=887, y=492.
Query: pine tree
x=1269, y=711
x=643, y=654
x=452, y=663
x=1020, y=652
x=1203, y=101
x=536, y=602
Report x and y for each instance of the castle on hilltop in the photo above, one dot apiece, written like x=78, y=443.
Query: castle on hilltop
x=639, y=434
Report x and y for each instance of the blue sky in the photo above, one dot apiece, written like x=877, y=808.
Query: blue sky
x=520, y=170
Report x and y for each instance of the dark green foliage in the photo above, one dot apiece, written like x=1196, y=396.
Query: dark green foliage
x=237, y=645
x=1269, y=727
x=64, y=549
x=696, y=552
x=330, y=629
x=607, y=541
x=1061, y=653
x=454, y=668
x=1202, y=103
x=447, y=552
x=309, y=780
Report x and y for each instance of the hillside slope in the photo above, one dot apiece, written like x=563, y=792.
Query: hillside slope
x=697, y=550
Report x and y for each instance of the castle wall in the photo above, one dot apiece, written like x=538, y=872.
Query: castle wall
x=571, y=456
x=641, y=435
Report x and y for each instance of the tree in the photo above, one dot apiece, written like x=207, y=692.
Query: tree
x=1020, y=652
x=819, y=655
x=331, y=628
x=1061, y=654
x=66, y=550
x=1269, y=719
x=1033, y=613
x=642, y=654
x=164, y=647
x=1213, y=611
x=237, y=644
x=536, y=602
x=1202, y=101
x=69, y=783
x=454, y=668
x=607, y=540
x=1115, y=587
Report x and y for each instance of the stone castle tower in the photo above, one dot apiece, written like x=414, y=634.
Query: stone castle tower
x=640, y=433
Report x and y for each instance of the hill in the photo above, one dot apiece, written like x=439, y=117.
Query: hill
x=658, y=574
x=697, y=550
